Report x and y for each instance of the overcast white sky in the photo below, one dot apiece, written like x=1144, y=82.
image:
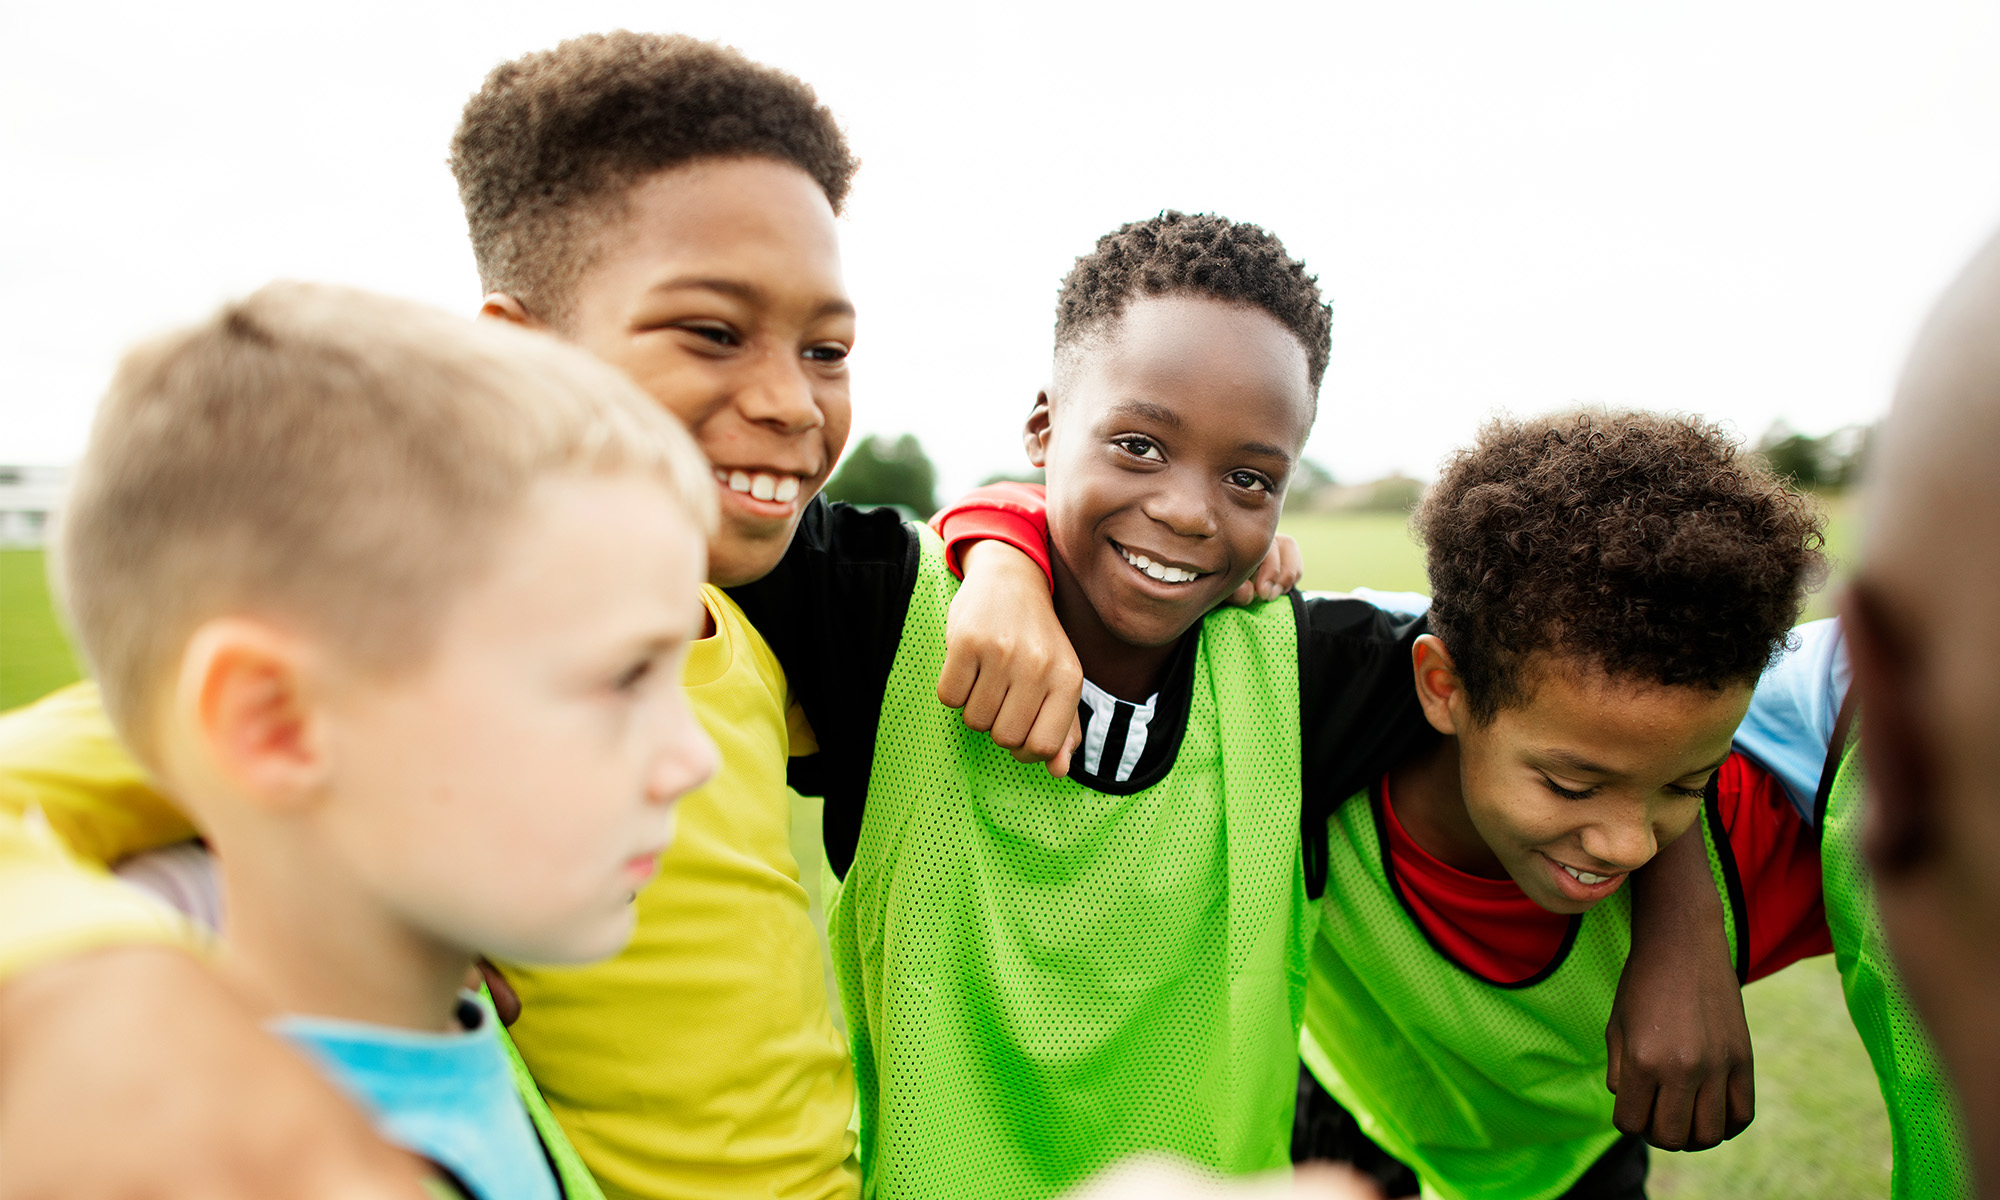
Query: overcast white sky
x=1741, y=209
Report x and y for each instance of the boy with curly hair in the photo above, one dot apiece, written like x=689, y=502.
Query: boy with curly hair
x=1607, y=590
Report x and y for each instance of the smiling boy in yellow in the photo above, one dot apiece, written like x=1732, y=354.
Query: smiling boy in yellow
x=669, y=206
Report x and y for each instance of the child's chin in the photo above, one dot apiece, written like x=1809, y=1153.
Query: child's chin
x=575, y=947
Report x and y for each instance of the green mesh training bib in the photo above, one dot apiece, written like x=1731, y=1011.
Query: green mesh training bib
x=1924, y=1130
x=1040, y=979
x=575, y=1179
x=1484, y=1090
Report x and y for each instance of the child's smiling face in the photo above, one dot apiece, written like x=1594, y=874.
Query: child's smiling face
x=719, y=290
x=1581, y=783
x=1168, y=442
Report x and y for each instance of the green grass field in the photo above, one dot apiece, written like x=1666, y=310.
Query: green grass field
x=1820, y=1129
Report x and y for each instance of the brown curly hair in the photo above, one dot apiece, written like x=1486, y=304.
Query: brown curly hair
x=550, y=144
x=1647, y=544
x=1200, y=254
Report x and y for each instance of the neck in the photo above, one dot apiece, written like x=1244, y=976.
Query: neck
x=302, y=938
x=1430, y=802
x=1126, y=671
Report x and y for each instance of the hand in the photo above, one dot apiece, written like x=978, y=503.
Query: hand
x=1679, y=1046
x=1162, y=1179
x=506, y=1001
x=134, y=1072
x=1280, y=572
x=1007, y=661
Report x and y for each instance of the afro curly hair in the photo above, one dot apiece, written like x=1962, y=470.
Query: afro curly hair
x=550, y=144
x=1202, y=255
x=1648, y=545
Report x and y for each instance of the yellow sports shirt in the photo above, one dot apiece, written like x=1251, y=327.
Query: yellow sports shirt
x=700, y=1062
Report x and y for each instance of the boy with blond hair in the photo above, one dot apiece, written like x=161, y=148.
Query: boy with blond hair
x=669, y=206
x=397, y=605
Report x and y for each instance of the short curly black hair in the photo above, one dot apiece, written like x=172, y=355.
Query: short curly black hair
x=1199, y=254
x=1649, y=545
x=550, y=144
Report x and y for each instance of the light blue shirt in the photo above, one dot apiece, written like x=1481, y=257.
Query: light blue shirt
x=1792, y=714
x=447, y=1096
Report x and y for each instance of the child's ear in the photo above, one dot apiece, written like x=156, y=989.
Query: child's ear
x=1439, y=689
x=251, y=697
x=1902, y=826
x=1035, y=435
x=499, y=306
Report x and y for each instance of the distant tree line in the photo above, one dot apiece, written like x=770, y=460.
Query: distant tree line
x=882, y=471
x=1828, y=463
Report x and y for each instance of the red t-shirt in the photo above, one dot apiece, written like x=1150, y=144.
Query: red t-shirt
x=1490, y=927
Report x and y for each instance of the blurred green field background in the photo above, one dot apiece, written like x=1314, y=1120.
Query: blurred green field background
x=1820, y=1130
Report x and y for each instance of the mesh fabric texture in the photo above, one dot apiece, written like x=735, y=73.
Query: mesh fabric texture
x=1040, y=979
x=1483, y=1090
x=1925, y=1133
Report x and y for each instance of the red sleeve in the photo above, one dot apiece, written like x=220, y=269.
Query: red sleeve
x=1777, y=857
x=1014, y=513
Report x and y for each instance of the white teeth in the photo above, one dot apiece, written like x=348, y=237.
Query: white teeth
x=1584, y=877
x=1160, y=571
x=763, y=485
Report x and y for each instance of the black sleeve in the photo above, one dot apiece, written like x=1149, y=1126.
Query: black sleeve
x=1358, y=711
x=833, y=611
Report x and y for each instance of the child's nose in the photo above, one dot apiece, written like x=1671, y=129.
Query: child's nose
x=1624, y=845
x=779, y=395
x=688, y=761
x=1184, y=509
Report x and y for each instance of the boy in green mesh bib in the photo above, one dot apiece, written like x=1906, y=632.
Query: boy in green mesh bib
x=1608, y=588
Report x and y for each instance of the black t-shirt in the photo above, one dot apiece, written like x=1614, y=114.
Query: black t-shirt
x=833, y=610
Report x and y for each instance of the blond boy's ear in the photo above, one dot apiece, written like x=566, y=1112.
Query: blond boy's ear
x=249, y=707
x=1035, y=435
x=499, y=306
x=1439, y=688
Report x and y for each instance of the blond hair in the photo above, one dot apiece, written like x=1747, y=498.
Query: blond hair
x=332, y=459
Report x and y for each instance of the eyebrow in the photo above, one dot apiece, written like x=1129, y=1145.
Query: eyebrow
x=1578, y=763
x=748, y=293
x=1172, y=420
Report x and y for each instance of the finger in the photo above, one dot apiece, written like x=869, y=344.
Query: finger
x=1293, y=565
x=1742, y=1093
x=1673, y=1115
x=982, y=706
x=961, y=671
x=1245, y=592
x=1710, y=1116
x=1633, y=1110
x=1059, y=765
x=1051, y=731
x=1015, y=721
